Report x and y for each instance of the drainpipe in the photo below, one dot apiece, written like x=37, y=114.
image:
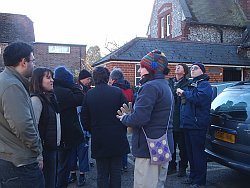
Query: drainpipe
x=80, y=59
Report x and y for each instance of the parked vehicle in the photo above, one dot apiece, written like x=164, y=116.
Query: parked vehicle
x=218, y=87
x=228, y=137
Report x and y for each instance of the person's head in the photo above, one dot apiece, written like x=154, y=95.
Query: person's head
x=84, y=77
x=41, y=80
x=153, y=62
x=101, y=75
x=116, y=74
x=20, y=56
x=197, y=69
x=63, y=74
x=181, y=69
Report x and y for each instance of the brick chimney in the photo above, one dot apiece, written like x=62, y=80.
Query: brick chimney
x=245, y=5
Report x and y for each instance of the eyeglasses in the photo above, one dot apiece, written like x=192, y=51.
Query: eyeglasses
x=194, y=68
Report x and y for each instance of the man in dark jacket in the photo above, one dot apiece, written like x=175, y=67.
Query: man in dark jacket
x=195, y=113
x=117, y=79
x=179, y=81
x=69, y=96
x=109, y=141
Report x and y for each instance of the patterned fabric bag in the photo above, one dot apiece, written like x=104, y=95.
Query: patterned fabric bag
x=158, y=149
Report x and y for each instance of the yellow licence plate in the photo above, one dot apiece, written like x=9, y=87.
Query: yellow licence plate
x=225, y=136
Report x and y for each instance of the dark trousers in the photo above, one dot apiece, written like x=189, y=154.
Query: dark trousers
x=80, y=153
x=195, y=144
x=27, y=176
x=125, y=160
x=179, y=139
x=109, y=172
x=63, y=168
x=49, y=168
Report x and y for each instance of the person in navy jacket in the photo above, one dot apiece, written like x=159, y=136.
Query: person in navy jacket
x=195, y=119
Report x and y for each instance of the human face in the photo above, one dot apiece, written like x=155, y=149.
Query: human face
x=143, y=71
x=29, y=66
x=47, y=82
x=86, y=81
x=195, y=71
x=179, y=70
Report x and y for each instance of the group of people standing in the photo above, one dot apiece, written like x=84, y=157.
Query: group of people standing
x=45, y=124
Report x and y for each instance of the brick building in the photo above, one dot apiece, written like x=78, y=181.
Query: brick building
x=216, y=31
x=15, y=27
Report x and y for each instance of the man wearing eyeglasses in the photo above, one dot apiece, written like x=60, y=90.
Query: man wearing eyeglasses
x=178, y=81
x=20, y=144
x=195, y=120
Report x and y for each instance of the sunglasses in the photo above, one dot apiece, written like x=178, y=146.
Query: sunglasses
x=194, y=68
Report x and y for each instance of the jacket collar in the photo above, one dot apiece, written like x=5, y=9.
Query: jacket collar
x=22, y=79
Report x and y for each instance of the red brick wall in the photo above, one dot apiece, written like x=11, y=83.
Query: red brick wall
x=52, y=60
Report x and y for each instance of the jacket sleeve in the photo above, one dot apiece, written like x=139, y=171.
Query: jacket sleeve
x=200, y=94
x=18, y=112
x=143, y=107
x=85, y=116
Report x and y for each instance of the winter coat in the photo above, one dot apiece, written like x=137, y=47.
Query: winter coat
x=19, y=138
x=108, y=134
x=69, y=96
x=195, y=111
x=153, y=110
x=174, y=84
x=124, y=85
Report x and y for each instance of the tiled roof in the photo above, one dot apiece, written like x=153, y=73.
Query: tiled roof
x=219, y=12
x=177, y=51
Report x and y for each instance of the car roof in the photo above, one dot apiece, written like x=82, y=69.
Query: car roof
x=239, y=86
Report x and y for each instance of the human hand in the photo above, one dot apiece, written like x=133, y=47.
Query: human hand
x=179, y=91
x=40, y=164
x=124, y=110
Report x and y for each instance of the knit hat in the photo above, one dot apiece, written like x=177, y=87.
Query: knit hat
x=116, y=74
x=185, y=67
x=202, y=67
x=84, y=74
x=155, y=61
x=63, y=74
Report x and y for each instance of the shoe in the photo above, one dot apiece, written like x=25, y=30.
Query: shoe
x=72, y=177
x=197, y=186
x=187, y=181
x=182, y=173
x=172, y=171
x=81, y=180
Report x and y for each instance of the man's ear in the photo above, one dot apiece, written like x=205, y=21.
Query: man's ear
x=23, y=62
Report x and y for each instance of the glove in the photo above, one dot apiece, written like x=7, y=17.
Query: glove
x=124, y=110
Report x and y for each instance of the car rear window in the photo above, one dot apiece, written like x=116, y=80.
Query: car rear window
x=233, y=104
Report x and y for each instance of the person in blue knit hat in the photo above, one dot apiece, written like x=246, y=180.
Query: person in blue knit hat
x=69, y=96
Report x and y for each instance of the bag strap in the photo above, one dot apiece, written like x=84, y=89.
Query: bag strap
x=170, y=113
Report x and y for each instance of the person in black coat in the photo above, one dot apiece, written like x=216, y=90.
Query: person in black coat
x=69, y=96
x=109, y=141
x=178, y=81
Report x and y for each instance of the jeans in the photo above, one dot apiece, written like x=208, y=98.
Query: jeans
x=63, y=168
x=27, y=176
x=49, y=168
x=125, y=160
x=80, y=153
x=109, y=172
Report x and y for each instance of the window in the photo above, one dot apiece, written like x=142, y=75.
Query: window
x=59, y=49
x=137, y=75
x=162, y=28
x=168, y=25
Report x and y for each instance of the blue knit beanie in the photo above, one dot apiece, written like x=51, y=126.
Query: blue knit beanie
x=63, y=74
x=202, y=67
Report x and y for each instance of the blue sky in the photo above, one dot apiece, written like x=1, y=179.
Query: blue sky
x=89, y=22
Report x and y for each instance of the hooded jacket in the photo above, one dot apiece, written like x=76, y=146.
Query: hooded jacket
x=195, y=111
x=19, y=138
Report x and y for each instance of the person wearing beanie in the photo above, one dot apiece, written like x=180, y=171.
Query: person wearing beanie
x=20, y=142
x=152, y=112
x=69, y=96
x=178, y=81
x=195, y=119
x=116, y=78
x=81, y=151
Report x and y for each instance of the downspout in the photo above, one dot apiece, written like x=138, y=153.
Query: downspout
x=80, y=58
